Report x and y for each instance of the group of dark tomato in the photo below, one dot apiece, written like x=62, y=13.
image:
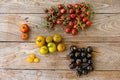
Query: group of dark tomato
x=81, y=60
x=74, y=17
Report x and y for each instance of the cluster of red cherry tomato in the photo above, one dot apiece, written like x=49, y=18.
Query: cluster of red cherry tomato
x=74, y=17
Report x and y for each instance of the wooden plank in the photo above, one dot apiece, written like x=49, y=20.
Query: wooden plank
x=105, y=28
x=55, y=75
x=14, y=55
x=37, y=6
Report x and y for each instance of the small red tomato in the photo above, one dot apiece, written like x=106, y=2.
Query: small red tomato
x=60, y=6
x=69, y=6
x=77, y=11
x=71, y=11
x=52, y=12
x=58, y=21
x=76, y=6
x=68, y=30
x=82, y=16
x=62, y=11
x=74, y=31
x=62, y=17
x=84, y=19
x=87, y=13
x=81, y=4
x=71, y=23
x=83, y=9
x=75, y=26
x=72, y=15
x=51, y=9
x=88, y=23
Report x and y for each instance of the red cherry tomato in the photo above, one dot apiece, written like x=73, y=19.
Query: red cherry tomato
x=62, y=11
x=69, y=6
x=60, y=6
x=76, y=6
x=74, y=31
x=58, y=21
x=81, y=16
x=71, y=23
x=88, y=23
x=72, y=15
x=84, y=19
x=77, y=11
x=68, y=30
x=71, y=11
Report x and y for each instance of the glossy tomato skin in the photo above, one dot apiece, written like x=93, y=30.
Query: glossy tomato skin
x=76, y=6
x=74, y=31
x=62, y=11
x=68, y=30
x=58, y=21
x=60, y=6
x=84, y=19
x=88, y=23
x=71, y=11
x=71, y=23
x=73, y=16
x=69, y=6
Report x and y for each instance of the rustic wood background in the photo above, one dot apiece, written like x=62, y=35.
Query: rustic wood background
x=103, y=35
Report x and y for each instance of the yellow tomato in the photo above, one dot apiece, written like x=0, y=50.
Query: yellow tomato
x=52, y=47
x=57, y=38
x=49, y=39
x=30, y=59
x=43, y=50
x=40, y=41
x=36, y=60
x=32, y=56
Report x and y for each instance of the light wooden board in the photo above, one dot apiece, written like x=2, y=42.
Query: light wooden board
x=14, y=55
x=37, y=6
x=55, y=75
x=105, y=28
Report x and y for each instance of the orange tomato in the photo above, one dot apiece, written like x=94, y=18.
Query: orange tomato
x=61, y=47
x=24, y=36
x=24, y=28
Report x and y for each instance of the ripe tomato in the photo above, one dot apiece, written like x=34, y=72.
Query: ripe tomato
x=60, y=6
x=84, y=19
x=76, y=6
x=68, y=30
x=82, y=16
x=76, y=18
x=87, y=13
x=71, y=23
x=81, y=4
x=83, y=9
x=24, y=28
x=77, y=11
x=24, y=36
x=71, y=11
x=74, y=31
x=69, y=6
x=75, y=26
x=72, y=15
x=88, y=23
x=62, y=11
x=58, y=21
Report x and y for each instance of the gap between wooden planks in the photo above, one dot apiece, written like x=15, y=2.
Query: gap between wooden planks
x=105, y=28
x=14, y=55
x=37, y=6
x=55, y=75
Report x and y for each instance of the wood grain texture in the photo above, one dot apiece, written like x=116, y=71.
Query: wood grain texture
x=37, y=6
x=14, y=55
x=55, y=75
x=105, y=28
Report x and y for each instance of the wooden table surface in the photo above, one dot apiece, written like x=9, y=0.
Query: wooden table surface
x=103, y=35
